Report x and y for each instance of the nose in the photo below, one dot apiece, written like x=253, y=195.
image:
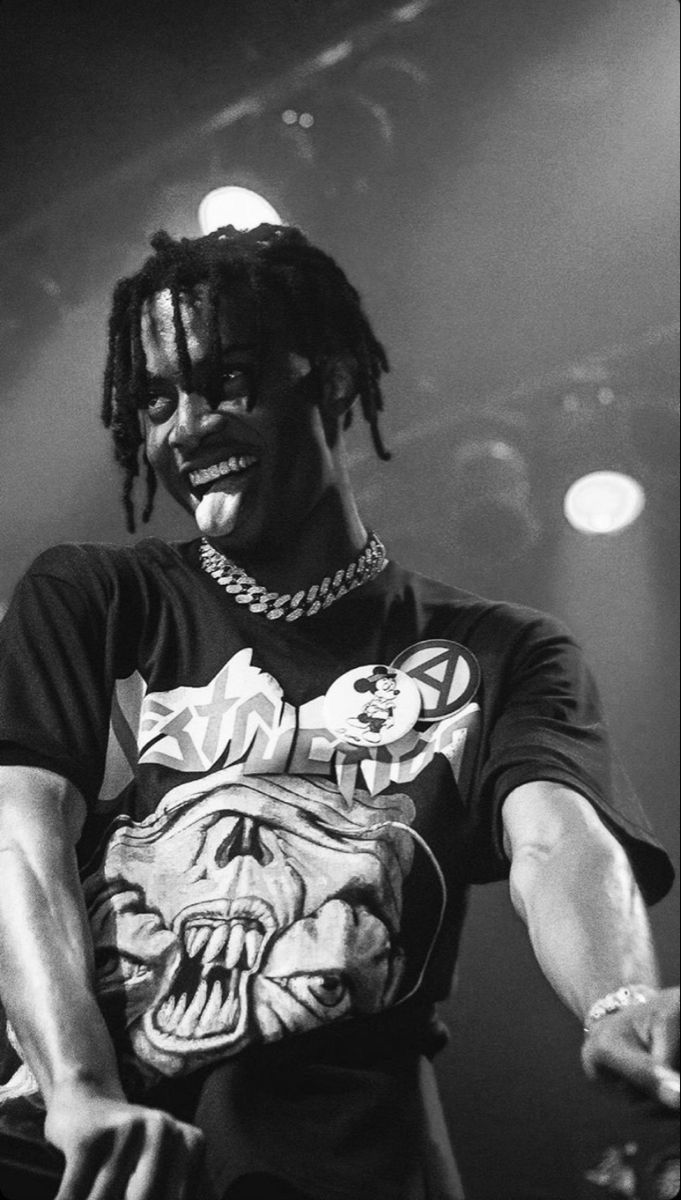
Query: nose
x=193, y=419
x=244, y=841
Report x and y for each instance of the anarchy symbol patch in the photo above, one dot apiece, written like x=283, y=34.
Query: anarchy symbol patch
x=446, y=674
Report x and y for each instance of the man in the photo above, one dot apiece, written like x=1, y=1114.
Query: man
x=232, y=888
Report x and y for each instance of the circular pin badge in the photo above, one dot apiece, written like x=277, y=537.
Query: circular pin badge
x=446, y=674
x=372, y=706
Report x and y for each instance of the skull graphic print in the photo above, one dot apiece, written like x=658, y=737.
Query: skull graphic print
x=244, y=910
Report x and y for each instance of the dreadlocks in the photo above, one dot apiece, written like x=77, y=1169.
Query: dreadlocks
x=278, y=267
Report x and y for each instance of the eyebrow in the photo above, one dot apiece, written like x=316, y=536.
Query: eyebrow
x=232, y=351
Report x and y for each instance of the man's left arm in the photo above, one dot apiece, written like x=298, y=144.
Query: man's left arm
x=572, y=884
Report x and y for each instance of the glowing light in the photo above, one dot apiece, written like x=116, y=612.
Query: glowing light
x=236, y=206
x=306, y=120
x=409, y=12
x=603, y=502
x=606, y=396
x=335, y=54
x=289, y=116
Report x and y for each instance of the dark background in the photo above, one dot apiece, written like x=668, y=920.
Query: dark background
x=500, y=181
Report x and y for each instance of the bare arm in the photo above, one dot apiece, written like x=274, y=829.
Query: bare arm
x=46, y=967
x=572, y=885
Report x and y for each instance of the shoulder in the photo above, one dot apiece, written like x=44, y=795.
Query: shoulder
x=70, y=560
x=518, y=626
x=100, y=571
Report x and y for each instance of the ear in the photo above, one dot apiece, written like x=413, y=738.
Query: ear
x=339, y=385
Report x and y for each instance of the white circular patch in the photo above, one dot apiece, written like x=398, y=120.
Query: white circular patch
x=372, y=705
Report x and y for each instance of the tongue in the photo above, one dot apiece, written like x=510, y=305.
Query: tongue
x=218, y=510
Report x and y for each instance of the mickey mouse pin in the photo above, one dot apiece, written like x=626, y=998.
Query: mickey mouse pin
x=372, y=706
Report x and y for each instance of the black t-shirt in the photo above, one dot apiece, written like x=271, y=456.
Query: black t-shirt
x=265, y=893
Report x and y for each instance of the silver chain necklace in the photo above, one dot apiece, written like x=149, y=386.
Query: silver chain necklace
x=305, y=603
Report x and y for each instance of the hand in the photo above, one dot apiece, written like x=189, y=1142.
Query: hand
x=639, y=1045
x=120, y=1151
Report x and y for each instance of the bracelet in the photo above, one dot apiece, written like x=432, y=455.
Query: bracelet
x=614, y=1001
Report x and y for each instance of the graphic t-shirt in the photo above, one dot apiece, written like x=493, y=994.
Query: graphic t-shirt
x=275, y=893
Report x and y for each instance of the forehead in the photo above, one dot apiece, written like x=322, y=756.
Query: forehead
x=158, y=328
x=239, y=319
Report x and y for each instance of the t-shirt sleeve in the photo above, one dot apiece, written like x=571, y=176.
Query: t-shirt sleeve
x=549, y=725
x=55, y=677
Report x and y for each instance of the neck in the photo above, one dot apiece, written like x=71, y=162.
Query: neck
x=331, y=536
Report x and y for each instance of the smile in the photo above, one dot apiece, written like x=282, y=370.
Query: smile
x=229, y=466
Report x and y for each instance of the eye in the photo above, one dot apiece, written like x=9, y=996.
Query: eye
x=236, y=386
x=160, y=408
x=328, y=990
x=114, y=966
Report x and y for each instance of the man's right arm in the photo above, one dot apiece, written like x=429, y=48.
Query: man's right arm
x=111, y=1147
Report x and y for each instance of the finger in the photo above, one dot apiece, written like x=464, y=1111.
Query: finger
x=196, y=1186
x=80, y=1172
x=167, y=1163
x=630, y=1063
x=152, y=1171
x=116, y=1170
x=664, y=1039
x=668, y=1086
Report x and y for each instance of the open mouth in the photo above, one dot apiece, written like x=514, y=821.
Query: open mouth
x=230, y=469
x=205, y=1000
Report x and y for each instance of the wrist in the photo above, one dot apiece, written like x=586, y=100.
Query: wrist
x=81, y=1085
x=612, y=1002
x=100, y=1078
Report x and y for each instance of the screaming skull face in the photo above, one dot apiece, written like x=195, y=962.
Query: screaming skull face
x=246, y=912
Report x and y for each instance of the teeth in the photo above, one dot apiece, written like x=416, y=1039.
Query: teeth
x=180, y=1009
x=209, y=1012
x=235, y=945
x=171, y=1012
x=186, y=1026
x=228, y=1013
x=253, y=942
x=230, y=1009
x=216, y=943
x=208, y=1021
x=197, y=938
x=233, y=937
x=228, y=466
x=165, y=1012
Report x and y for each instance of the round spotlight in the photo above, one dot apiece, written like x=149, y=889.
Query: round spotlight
x=603, y=502
x=236, y=206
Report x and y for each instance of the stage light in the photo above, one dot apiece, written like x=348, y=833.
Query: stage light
x=603, y=502
x=236, y=206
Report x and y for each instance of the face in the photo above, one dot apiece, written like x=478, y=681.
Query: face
x=251, y=463
x=386, y=687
